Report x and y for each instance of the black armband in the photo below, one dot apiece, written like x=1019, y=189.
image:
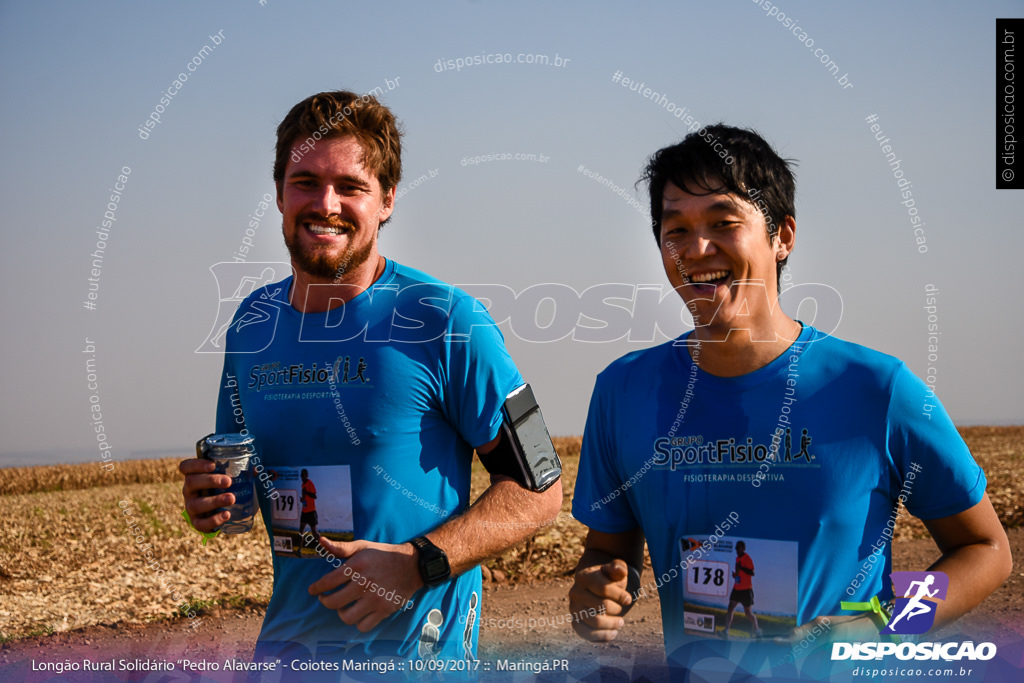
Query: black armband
x=525, y=452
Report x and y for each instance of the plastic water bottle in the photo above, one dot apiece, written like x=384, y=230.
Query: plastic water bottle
x=231, y=453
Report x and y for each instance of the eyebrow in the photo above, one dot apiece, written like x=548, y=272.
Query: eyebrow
x=720, y=206
x=355, y=180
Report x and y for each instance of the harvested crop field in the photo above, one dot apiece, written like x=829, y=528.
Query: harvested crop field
x=67, y=563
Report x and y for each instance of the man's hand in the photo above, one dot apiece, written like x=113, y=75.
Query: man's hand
x=600, y=588
x=375, y=582
x=601, y=583
x=199, y=478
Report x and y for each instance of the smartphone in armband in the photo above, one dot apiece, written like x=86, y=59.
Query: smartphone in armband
x=527, y=435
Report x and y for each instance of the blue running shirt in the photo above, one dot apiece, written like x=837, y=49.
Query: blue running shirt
x=380, y=401
x=686, y=456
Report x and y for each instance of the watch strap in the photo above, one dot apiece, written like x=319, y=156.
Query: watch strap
x=433, y=562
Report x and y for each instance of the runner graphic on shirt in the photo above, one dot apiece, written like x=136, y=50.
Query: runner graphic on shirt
x=430, y=639
x=467, y=636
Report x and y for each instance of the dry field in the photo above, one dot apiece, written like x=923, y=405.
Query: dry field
x=66, y=561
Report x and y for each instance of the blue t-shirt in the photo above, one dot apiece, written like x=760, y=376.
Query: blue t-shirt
x=687, y=457
x=381, y=401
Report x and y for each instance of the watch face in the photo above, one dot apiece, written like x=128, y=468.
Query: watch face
x=437, y=567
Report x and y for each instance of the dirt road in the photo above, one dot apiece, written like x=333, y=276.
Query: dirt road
x=505, y=635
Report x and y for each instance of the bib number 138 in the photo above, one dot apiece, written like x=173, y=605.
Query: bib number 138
x=708, y=578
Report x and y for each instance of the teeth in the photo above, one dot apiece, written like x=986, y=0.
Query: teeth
x=707, y=277
x=324, y=229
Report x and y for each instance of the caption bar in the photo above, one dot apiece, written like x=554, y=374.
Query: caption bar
x=1008, y=172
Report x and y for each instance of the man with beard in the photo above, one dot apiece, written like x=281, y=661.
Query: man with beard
x=391, y=453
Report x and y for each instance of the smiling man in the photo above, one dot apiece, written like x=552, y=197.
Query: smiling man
x=377, y=381
x=759, y=427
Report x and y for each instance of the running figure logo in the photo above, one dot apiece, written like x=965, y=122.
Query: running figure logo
x=467, y=636
x=914, y=612
x=235, y=282
x=430, y=640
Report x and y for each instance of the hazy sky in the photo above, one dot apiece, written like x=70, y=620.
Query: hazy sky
x=80, y=79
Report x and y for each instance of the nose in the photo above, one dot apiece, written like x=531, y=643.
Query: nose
x=696, y=246
x=327, y=201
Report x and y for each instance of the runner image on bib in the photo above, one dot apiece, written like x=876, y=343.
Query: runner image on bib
x=301, y=513
x=723, y=578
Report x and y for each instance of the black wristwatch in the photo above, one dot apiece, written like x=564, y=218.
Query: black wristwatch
x=434, y=567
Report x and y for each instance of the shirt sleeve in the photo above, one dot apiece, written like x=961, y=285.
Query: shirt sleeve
x=230, y=417
x=480, y=372
x=936, y=475
x=229, y=401
x=599, y=499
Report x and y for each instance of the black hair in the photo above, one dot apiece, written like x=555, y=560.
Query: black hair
x=724, y=159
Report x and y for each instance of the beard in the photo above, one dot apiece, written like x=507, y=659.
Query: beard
x=323, y=262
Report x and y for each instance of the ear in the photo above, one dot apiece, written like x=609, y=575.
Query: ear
x=387, y=205
x=785, y=238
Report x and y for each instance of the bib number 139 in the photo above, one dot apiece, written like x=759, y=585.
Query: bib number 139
x=286, y=506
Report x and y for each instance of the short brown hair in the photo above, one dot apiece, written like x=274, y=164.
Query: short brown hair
x=340, y=113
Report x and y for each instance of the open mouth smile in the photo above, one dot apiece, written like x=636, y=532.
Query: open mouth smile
x=709, y=281
x=332, y=230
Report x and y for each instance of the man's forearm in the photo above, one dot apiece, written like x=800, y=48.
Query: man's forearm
x=975, y=557
x=974, y=572
x=505, y=514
